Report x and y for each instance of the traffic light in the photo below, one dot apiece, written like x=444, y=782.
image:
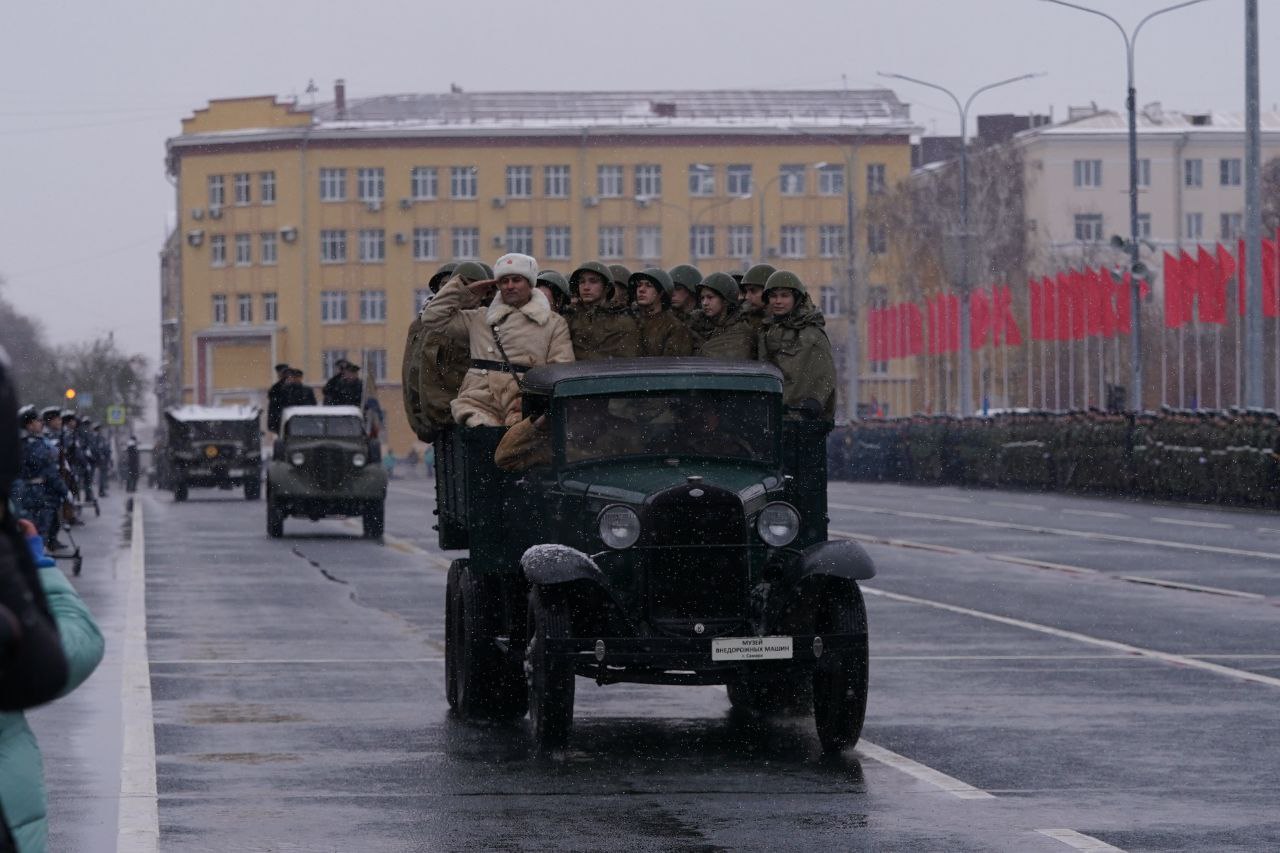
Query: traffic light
x=71, y=394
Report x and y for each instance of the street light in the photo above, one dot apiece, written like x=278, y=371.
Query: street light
x=1131, y=103
x=966, y=261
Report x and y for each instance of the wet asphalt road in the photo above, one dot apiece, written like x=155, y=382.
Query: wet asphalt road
x=1031, y=690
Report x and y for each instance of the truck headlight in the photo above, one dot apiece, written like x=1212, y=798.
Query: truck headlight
x=778, y=524
x=298, y=458
x=619, y=526
x=358, y=460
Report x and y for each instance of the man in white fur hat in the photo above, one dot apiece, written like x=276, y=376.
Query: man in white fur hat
x=517, y=331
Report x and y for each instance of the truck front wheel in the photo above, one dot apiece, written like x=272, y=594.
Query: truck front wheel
x=840, y=681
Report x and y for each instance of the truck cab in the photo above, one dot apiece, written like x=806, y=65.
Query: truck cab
x=212, y=447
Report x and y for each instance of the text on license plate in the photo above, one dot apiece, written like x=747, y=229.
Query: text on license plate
x=751, y=648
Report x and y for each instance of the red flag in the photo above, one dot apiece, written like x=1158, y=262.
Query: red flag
x=1211, y=289
x=1109, y=296
x=979, y=318
x=1270, y=286
x=898, y=350
x=1006, y=324
x=1095, y=303
x=1173, y=298
x=915, y=330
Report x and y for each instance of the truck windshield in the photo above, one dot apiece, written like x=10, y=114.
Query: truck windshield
x=731, y=425
x=305, y=426
x=217, y=430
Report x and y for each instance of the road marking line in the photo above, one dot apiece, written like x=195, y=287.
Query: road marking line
x=1012, y=505
x=274, y=661
x=1271, y=530
x=949, y=498
x=915, y=769
x=1059, y=531
x=947, y=549
x=1079, y=841
x=138, y=816
x=1094, y=513
x=1194, y=587
x=1182, y=522
x=1163, y=657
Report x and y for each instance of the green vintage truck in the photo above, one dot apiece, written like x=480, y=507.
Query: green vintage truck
x=673, y=530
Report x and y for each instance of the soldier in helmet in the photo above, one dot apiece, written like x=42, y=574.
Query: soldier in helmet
x=685, y=279
x=599, y=330
x=752, y=287
x=38, y=491
x=661, y=334
x=793, y=339
x=556, y=288
x=720, y=329
x=620, y=293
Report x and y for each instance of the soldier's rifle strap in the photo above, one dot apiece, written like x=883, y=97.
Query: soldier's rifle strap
x=508, y=367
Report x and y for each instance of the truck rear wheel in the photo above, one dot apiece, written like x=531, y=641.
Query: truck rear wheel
x=252, y=490
x=551, y=678
x=275, y=517
x=484, y=683
x=840, y=681
x=374, y=518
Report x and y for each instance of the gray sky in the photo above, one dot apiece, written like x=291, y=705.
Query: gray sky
x=90, y=90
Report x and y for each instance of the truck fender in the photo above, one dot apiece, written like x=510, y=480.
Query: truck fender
x=838, y=558
x=555, y=564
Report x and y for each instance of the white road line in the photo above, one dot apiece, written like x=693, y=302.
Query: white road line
x=1060, y=531
x=947, y=549
x=286, y=661
x=916, y=770
x=1194, y=587
x=1079, y=841
x=1094, y=513
x=949, y=498
x=1163, y=657
x=1182, y=522
x=138, y=817
x=1011, y=505
x=1271, y=530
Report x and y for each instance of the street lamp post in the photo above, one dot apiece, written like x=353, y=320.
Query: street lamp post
x=1131, y=103
x=965, y=278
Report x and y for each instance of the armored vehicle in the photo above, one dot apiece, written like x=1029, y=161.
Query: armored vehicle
x=324, y=464
x=669, y=527
x=212, y=447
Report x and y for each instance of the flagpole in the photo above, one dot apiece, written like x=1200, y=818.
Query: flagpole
x=1217, y=367
x=1198, y=338
x=1182, y=368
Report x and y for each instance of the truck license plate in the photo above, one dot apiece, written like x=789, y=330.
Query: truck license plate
x=751, y=648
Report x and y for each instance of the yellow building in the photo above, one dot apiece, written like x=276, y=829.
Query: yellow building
x=308, y=234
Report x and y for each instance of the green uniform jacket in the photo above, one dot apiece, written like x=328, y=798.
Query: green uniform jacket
x=663, y=335
x=602, y=331
x=797, y=345
x=728, y=336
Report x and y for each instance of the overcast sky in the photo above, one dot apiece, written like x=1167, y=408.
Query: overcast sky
x=90, y=90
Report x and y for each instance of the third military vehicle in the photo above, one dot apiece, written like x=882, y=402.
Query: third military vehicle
x=212, y=447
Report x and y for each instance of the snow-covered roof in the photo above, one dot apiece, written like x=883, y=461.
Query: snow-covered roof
x=1154, y=120
x=322, y=411
x=213, y=413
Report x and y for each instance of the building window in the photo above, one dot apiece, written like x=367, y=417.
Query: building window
x=830, y=300
x=370, y=184
x=1144, y=172
x=218, y=250
x=875, y=179
x=559, y=245
x=333, y=307
x=649, y=242
x=462, y=182
x=244, y=308
x=1229, y=171
x=373, y=246
x=1088, y=227
x=466, y=242
x=830, y=241
x=1193, y=225
x=519, y=181
x=609, y=181
x=267, y=187
x=791, y=179
x=737, y=179
x=1144, y=225
x=520, y=239
x=426, y=244
x=375, y=364
x=333, y=184
x=219, y=309
x=877, y=238
x=702, y=179
x=242, y=187
x=702, y=241
x=217, y=191
x=333, y=246
x=1087, y=173
x=373, y=306
x=267, y=244
x=649, y=181
x=421, y=296
x=329, y=361
x=1193, y=173
x=1232, y=226
x=423, y=183
x=741, y=242
x=555, y=181
x=244, y=250
x=611, y=242
x=270, y=308
x=791, y=241
x=831, y=180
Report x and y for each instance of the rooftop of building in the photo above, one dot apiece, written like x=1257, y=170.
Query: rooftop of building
x=1151, y=119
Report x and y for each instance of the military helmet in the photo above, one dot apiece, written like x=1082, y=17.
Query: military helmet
x=471, y=271
x=27, y=414
x=440, y=276
x=488, y=270
x=723, y=284
x=555, y=281
x=619, y=274
x=48, y=413
x=757, y=275
x=590, y=266
x=785, y=279
x=686, y=276
x=657, y=275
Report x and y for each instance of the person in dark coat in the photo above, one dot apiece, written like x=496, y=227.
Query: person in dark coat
x=348, y=391
x=295, y=393
x=332, y=384
x=275, y=397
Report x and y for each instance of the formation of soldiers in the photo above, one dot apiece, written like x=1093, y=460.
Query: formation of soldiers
x=608, y=312
x=1212, y=456
x=64, y=458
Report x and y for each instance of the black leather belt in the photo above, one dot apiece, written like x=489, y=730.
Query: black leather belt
x=501, y=367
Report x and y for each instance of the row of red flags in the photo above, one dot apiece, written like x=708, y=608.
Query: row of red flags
x=903, y=330
x=1197, y=285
